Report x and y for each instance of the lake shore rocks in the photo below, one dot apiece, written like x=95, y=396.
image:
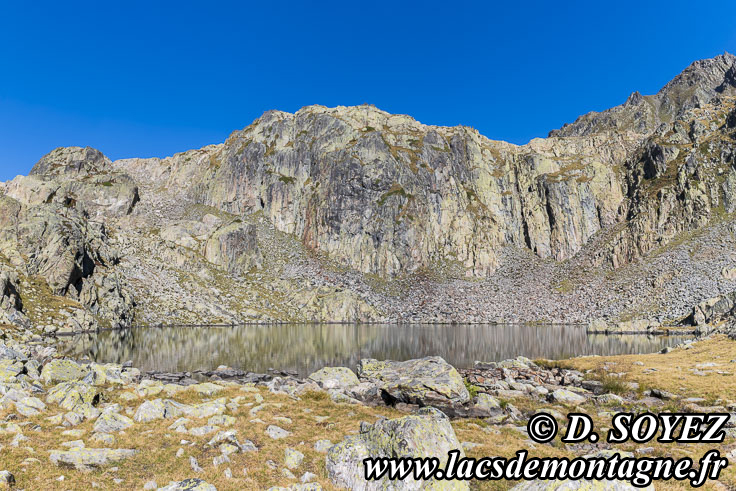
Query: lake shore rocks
x=428, y=381
x=35, y=382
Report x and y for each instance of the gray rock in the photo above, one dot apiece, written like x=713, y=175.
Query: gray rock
x=322, y=445
x=112, y=422
x=7, y=479
x=276, y=432
x=429, y=381
x=564, y=396
x=335, y=378
x=83, y=458
x=292, y=458
x=422, y=435
x=62, y=371
x=189, y=485
x=194, y=464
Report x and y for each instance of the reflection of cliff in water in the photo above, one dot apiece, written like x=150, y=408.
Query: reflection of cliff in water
x=305, y=348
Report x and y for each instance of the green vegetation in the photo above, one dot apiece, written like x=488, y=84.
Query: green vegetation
x=472, y=389
x=396, y=190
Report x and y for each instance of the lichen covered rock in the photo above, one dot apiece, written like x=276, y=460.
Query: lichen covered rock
x=429, y=381
x=427, y=434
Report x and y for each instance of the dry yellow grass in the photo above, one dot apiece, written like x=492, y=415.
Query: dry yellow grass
x=675, y=371
x=158, y=445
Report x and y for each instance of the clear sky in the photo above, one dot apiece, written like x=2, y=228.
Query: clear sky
x=141, y=79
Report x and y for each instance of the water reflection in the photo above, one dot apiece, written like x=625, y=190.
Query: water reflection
x=305, y=348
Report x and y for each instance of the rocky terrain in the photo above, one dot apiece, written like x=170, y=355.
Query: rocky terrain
x=354, y=214
x=80, y=425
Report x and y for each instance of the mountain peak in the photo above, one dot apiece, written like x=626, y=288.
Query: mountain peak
x=696, y=85
x=71, y=160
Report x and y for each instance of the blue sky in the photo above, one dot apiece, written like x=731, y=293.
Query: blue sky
x=151, y=78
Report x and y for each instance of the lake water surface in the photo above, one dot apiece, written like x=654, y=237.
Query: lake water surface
x=304, y=348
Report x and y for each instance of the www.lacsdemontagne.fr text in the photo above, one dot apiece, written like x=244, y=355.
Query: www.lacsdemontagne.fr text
x=639, y=471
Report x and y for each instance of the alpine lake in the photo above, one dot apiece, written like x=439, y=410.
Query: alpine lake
x=303, y=348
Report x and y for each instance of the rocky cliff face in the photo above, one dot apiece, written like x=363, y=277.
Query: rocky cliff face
x=352, y=213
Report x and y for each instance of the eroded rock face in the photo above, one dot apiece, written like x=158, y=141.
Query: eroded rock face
x=53, y=225
x=426, y=434
x=713, y=309
x=386, y=194
x=429, y=381
x=235, y=248
x=11, y=306
x=376, y=195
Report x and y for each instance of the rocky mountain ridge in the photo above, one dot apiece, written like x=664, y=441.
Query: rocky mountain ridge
x=351, y=213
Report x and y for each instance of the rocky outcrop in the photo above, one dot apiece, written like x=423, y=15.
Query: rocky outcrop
x=427, y=381
x=426, y=434
x=355, y=214
x=50, y=228
x=11, y=306
x=385, y=194
x=694, y=87
x=234, y=248
x=713, y=310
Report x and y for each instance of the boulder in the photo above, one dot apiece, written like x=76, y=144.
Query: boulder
x=564, y=396
x=335, y=378
x=425, y=434
x=84, y=458
x=7, y=479
x=62, y=371
x=485, y=406
x=111, y=421
x=234, y=248
x=189, y=485
x=158, y=409
x=9, y=370
x=30, y=406
x=429, y=381
x=277, y=432
x=293, y=458
x=713, y=309
x=71, y=395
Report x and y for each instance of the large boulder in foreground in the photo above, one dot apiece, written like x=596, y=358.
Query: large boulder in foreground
x=425, y=434
x=429, y=381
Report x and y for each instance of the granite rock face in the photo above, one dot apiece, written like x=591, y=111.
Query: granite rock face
x=322, y=214
x=235, y=248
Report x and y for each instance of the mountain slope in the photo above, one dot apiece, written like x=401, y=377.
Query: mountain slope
x=351, y=213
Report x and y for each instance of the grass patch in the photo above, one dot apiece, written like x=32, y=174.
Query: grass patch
x=472, y=389
x=396, y=190
x=677, y=371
